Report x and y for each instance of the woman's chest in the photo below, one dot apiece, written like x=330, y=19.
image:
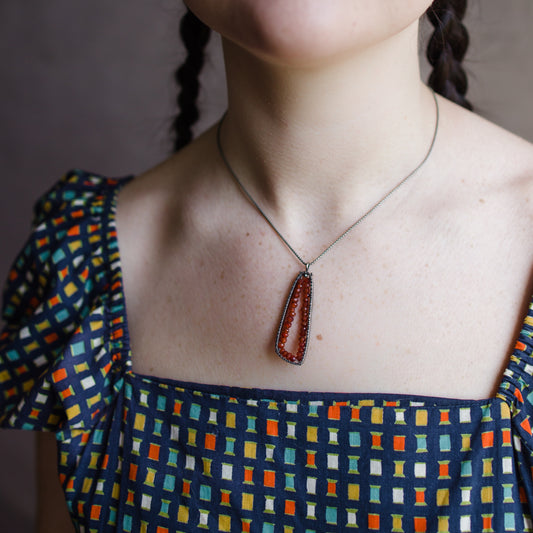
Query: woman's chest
x=391, y=312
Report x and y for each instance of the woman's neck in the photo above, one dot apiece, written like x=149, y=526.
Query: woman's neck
x=327, y=140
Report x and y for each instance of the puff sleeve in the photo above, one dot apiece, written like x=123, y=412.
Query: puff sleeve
x=62, y=345
x=516, y=390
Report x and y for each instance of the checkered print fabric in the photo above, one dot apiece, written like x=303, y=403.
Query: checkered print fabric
x=142, y=454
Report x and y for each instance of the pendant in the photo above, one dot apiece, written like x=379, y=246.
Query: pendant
x=296, y=316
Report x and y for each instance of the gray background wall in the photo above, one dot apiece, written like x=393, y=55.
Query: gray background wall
x=88, y=85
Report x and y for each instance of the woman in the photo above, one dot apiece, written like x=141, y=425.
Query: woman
x=398, y=407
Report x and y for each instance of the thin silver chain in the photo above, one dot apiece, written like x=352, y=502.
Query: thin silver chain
x=306, y=264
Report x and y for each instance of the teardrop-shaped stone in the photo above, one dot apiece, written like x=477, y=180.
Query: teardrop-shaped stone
x=296, y=320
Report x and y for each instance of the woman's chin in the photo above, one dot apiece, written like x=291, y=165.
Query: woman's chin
x=305, y=33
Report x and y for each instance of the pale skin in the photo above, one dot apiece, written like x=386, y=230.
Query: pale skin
x=425, y=297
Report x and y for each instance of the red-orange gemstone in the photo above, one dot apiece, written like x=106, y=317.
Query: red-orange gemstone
x=297, y=313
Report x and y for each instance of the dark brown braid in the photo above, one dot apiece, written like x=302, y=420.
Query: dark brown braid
x=195, y=35
x=446, y=50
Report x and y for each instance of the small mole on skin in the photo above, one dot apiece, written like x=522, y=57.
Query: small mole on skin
x=319, y=337
x=247, y=234
x=482, y=200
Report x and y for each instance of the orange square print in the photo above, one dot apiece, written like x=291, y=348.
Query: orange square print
x=95, y=512
x=506, y=436
x=248, y=474
x=420, y=525
x=153, y=452
x=210, y=441
x=290, y=507
x=487, y=439
x=399, y=443
x=269, y=478
x=373, y=522
x=334, y=412
x=272, y=428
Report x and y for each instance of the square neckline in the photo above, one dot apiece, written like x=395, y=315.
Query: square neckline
x=259, y=393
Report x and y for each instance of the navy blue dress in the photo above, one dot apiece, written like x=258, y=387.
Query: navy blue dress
x=144, y=454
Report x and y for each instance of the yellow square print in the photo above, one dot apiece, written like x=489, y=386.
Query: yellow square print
x=191, y=437
x=487, y=467
x=183, y=514
x=87, y=484
x=224, y=523
x=505, y=411
x=250, y=450
x=376, y=416
x=312, y=434
x=150, y=477
x=116, y=491
x=248, y=502
x=70, y=289
x=140, y=421
x=73, y=411
x=443, y=497
x=353, y=491
x=398, y=468
x=421, y=417
x=230, y=420
x=397, y=523
x=486, y=495
x=444, y=524
x=96, y=325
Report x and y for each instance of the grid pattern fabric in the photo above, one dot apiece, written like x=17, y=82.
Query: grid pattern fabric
x=145, y=454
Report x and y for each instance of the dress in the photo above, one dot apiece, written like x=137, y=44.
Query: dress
x=144, y=454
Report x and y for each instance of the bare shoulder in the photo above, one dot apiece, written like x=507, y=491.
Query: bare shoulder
x=150, y=207
x=157, y=191
x=495, y=151
x=495, y=163
x=157, y=219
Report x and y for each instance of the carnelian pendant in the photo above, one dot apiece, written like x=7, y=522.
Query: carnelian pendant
x=296, y=316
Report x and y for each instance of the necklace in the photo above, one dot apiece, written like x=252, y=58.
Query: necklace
x=299, y=303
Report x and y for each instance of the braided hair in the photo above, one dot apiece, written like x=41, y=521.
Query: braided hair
x=195, y=36
x=445, y=52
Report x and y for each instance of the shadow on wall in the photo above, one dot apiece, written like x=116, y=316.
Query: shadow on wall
x=17, y=482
